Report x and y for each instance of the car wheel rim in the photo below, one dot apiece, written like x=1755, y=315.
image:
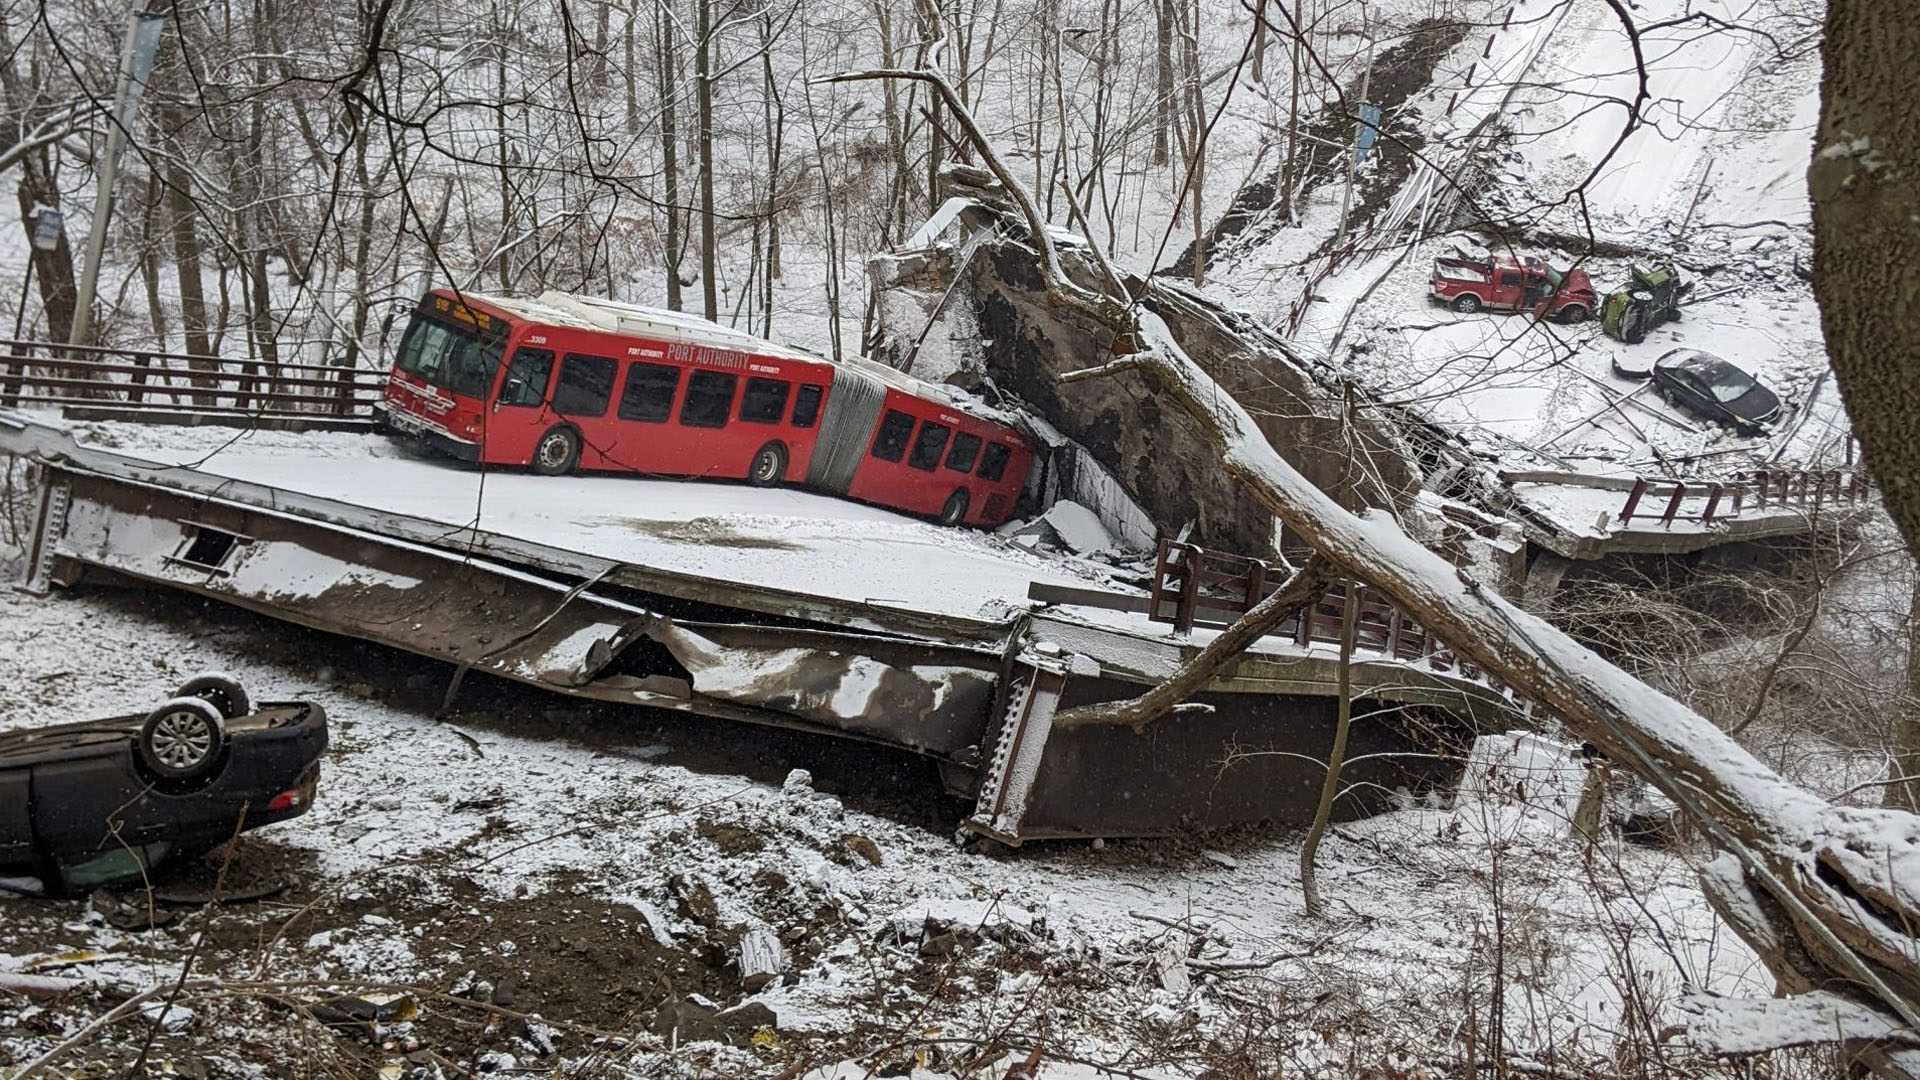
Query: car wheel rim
x=182, y=740
x=766, y=469
x=553, y=451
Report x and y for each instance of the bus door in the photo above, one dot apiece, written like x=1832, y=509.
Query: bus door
x=522, y=406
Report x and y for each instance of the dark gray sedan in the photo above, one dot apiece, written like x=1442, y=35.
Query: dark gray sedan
x=1714, y=389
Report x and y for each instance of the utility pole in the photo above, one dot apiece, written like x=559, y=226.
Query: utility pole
x=136, y=63
x=1353, y=159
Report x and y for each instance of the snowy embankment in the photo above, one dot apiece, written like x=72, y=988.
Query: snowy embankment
x=600, y=862
x=1711, y=176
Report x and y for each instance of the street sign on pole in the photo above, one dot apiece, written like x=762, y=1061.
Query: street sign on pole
x=1369, y=133
x=48, y=224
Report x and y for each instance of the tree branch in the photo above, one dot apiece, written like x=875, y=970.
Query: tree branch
x=1302, y=588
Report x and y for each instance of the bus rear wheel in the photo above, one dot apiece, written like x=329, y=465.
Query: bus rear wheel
x=557, y=452
x=769, y=466
x=955, y=511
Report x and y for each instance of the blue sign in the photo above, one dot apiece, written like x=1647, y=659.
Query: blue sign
x=1369, y=133
x=46, y=228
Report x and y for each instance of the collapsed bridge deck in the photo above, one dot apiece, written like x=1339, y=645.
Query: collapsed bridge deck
x=772, y=607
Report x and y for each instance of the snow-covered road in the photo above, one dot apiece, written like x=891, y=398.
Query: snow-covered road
x=778, y=538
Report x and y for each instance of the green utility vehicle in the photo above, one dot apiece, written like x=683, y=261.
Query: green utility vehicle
x=1651, y=298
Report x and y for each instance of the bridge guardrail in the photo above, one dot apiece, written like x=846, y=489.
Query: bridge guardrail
x=151, y=383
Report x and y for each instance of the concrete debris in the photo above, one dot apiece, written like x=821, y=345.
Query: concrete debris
x=864, y=847
x=173, y=1019
x=798, y=782
x=539, y=1035
x=365, y=1012
x=762, y=958
x=1170, y=967
x=683, y=1020
x=1078, y=529
x=695, y=898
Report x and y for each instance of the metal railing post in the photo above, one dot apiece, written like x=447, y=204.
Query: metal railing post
x=1673, y=504
x=1633, y=500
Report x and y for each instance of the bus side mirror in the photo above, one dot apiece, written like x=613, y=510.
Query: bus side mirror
x=386, y=328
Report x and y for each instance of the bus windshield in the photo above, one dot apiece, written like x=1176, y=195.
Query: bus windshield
x=454, y=358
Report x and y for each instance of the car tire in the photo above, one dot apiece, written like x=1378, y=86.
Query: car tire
x=1574, y=314
x=182, y=740
x=1466, y=303
x=769, y=466
x=955, y=511
x=223, y=692
x=557, y=452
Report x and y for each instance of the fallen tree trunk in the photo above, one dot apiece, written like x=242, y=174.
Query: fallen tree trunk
x=1829, y=896
x=1296, y=592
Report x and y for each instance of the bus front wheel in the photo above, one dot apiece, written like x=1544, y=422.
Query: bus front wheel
x=955, y=511
x=557, y=452
x=769, y=466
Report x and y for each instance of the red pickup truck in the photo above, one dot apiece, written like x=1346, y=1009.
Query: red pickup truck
x=1504, y=283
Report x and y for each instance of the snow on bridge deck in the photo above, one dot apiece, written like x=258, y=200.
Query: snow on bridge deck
x=783, y=539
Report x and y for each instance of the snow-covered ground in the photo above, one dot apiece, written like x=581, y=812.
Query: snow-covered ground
x=1711, y=174
x=601, y=861
x=540, y=877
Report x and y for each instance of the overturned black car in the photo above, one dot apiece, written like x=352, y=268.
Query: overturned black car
x=97, y=802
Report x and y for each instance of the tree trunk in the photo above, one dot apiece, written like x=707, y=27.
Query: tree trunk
x=186, y=249
x=503, y=264
x=1163, y=77
x=1293, y=121
x=668, y=65
x=1258, y=72
x=703, y=97
x=1197, y=171
x=150, y=266
x=53, y=269
x=774, y=112
x=1336, y=757
x=1865, y=184
x=1905, y=758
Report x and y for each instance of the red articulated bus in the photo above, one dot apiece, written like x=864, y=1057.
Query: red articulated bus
x=567, y=382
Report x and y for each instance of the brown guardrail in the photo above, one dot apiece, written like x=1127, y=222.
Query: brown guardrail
x=1760, y=489
x=1193, y=586
x=139, y=382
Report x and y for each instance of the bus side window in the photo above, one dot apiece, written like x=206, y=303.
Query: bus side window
x=765, y=401
x=709, y=399
x=648, y=395
x=527, y=376
x=993, y=464
x=966, y=450
x=806, y=406
x=891, y=443
x=928, y=445
x=585, y=387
